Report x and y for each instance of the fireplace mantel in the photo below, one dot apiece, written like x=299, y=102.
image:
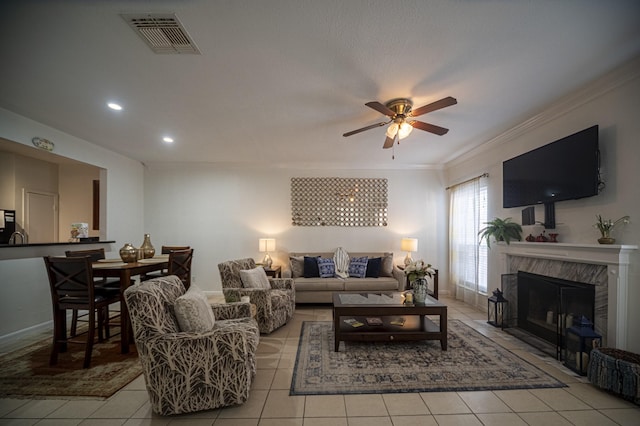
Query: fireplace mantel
x=615, y=257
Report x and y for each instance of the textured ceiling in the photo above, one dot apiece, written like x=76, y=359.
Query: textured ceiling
x=279, y=82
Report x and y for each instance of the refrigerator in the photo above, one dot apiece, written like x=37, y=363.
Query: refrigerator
x=7, y=225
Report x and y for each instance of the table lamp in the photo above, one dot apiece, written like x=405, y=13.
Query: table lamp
x=409, y=245
x=266, y=245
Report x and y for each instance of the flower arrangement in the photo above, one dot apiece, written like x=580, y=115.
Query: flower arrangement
x=418, y=269
x=605, y=226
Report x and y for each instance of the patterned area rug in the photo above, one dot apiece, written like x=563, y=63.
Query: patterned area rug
x=472, y=362
x=26, y=372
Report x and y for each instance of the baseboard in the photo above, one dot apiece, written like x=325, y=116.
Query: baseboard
x=26, y=333
x=29, y=332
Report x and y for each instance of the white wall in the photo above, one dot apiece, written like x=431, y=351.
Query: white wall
x=613, y=103
x=24, y=289
x=222, y=212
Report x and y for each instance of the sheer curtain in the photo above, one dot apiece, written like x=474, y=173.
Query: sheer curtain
x=468, y=259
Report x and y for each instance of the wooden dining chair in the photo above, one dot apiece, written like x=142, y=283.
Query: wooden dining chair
x=180, y=265
x=73, y=288
x=164, y=250
x=169, y=249
x=109, y=284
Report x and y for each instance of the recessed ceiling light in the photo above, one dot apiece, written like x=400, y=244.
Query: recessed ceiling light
x=114, y=106
x=167, y=139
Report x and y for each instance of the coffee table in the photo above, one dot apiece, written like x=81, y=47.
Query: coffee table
x=354, y=317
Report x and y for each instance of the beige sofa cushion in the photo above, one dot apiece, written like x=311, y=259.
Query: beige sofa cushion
x=386, y=268
x=371, y=284
x=296, y=264
x=319, y=284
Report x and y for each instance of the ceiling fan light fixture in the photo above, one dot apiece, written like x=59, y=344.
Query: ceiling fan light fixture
x=392, y=130
x=401, y=113
x=404, y=130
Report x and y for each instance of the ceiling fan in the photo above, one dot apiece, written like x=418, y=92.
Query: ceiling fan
x=400, y=113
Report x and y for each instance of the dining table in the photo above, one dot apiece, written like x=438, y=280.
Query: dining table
x=126, y=271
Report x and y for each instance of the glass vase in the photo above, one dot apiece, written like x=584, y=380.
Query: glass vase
x=419, y=290
x=147, y=248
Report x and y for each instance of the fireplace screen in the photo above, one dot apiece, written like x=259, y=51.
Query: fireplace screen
x=548, y=306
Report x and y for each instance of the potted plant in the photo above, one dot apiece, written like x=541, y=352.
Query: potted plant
x=501, y=230
x=605, y=226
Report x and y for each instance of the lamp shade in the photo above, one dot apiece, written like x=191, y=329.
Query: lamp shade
x=266, y=244
x=409, y=244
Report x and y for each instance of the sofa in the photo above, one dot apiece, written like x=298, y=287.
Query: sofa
x=315, y=289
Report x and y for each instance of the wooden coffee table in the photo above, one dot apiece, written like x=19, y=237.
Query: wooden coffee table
x=356, y=317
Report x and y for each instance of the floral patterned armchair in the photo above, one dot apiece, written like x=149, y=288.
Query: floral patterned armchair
x=275, y=306
x=191, y=371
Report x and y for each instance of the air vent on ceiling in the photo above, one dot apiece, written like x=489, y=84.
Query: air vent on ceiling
x=163, y=32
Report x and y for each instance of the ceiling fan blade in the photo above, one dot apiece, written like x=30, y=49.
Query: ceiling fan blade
x=429, y=127
x=381, y=108
x=373, y=126
x=442, y=103
x=388, y=142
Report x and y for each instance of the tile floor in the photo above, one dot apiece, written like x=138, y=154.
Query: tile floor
x=270, y=403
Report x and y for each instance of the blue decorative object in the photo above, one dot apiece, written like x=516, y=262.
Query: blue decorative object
x=580, y=340
x=326, y=267
x=358, y=267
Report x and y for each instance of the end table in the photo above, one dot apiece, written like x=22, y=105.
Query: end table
x=273, y=272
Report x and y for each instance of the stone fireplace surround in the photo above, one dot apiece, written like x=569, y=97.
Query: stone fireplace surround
x=605, y=266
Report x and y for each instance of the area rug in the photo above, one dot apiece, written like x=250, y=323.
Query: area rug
x=472, y=362
x=26, y=372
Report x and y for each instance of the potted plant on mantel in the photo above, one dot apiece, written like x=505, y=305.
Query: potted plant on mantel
x=501, y=230
x=607, y=226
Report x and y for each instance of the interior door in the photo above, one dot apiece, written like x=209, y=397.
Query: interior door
x=41, y=216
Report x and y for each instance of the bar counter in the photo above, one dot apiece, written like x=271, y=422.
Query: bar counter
x=31, y=250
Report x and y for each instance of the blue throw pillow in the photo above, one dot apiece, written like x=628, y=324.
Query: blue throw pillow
x=327, y=267
x=373, y=267
x=358, y=267
x=311, y=267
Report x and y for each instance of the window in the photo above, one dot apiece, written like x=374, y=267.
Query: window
x=468, y=259
x=483, y=250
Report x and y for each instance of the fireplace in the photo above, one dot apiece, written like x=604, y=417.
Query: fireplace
x=603, y=268
x=547, y=306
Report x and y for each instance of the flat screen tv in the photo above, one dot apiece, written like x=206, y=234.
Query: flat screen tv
x=566, y=169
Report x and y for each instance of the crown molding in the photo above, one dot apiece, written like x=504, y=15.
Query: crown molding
x=595, y=89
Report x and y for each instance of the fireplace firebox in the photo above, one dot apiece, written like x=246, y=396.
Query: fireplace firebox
x=547, y=306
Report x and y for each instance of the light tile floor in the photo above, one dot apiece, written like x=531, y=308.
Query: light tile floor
x=270, y=404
